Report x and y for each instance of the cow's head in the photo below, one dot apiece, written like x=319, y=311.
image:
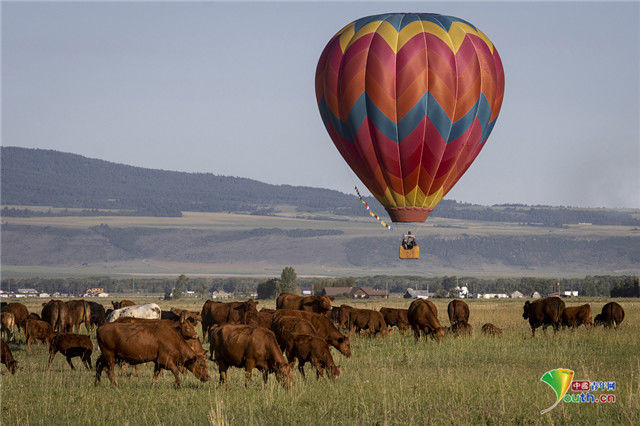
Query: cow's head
x=525, y=314
x=598, y=320
x=198, y=366
x=438, y=334
x=187, y=329
x=344, y=346
x=284, y=374
x=116, y=305
x=333, y=371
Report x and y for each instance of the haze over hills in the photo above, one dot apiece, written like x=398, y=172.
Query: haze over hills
x=172, y=222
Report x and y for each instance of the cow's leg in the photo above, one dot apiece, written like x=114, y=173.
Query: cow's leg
x=69, y=362
x=265, y=375
x=301, y=363
x=28, y=343
x=248, y=368
x=416, y=332
x=86, y=359
x=51, y=355
x=222, y=371
x=137, y=367
x=174, y=369
x=156, y=373
x=99, y=366
x=110, y=364
x=318, y=365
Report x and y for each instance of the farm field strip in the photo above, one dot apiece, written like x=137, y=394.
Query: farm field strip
x=392, y=381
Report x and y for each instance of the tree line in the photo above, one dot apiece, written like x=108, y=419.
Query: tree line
x=601, y=285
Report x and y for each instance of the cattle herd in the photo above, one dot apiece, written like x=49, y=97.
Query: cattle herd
x=301, y=329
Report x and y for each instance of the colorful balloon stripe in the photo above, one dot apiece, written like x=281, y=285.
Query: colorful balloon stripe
x=371, y=213
x=409, y=100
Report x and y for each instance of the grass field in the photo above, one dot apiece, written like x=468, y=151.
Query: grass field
x=386, y=381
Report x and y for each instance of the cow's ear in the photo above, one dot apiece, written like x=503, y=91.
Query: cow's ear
x=292, y=364
x=340, y=339
x=183, y=317
x=309, y=302
x=332, y=298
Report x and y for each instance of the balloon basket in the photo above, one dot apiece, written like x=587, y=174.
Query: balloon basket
x=413, y=253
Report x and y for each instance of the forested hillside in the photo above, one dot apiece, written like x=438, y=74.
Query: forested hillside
x=51, y=178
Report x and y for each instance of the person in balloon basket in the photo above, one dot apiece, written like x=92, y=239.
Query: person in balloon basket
x=408, y=241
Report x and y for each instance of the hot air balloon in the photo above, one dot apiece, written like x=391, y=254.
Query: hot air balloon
x=409, y=100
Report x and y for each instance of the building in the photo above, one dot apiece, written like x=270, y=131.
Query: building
x=336, y=291
x=535, y=295
x=355, y=292
x=221, y=294
x=492, y=296
x=569, y=293
x=417, y=294
x=27, y=292
x=517, y=295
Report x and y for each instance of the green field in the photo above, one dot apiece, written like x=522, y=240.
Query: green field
x=387, y=381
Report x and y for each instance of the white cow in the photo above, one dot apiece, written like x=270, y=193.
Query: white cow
x=148, y=311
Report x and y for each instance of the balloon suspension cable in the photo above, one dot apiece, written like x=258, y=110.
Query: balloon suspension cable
x=371, y=213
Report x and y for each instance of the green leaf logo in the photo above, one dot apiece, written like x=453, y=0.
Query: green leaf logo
x=559, y=380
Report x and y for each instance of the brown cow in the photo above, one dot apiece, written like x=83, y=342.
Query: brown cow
x=224, y=313
x=98, y=315
x=460, y=329
x=268, y=310
x=71, y=345
x=8, y=321
x=324, y=328
x=56, y=313
x=6, y=357
x=182, y=326
x=284, y=327
x=138, y=342
x=249, y=347
x=306, y=348
x=122, y=304
x=33, y=315
x=396, y=318
x=340, y=315
x=19, y=311
x=491, y=330
x=458, y=311
x=544, y=312
x=78, y=312
x=575, y=316
x=258, y=319
x=317, y=304
x=38, y=330
x=421, y=318
x=611, y=315
x=369, y=320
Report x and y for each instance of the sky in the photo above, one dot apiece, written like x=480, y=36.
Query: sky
x=228, y=88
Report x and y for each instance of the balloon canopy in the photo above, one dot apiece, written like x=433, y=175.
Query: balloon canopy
x=409, y=100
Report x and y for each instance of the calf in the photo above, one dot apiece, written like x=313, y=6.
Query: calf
x=71, y=345
x=544, y=312
x=491, y=330
x=19, y=311
x=138, y=342
x=458, y=311
x=396, y=318
x=38, y=330
x=422, y=319
x=575, y=316
x=369, y=320
x=306, y=348
x=611, y=315
x=8, y=324
x=248, y=347
x=7, y=357
x=324, y=328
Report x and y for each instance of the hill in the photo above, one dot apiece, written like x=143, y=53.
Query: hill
x=36, y=177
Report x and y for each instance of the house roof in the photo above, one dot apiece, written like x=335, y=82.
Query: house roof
x=374, y=292
x=336, y=291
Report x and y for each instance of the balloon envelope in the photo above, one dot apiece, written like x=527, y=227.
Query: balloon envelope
x=409, y=100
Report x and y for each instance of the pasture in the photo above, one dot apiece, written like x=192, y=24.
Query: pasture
x=387, y=381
